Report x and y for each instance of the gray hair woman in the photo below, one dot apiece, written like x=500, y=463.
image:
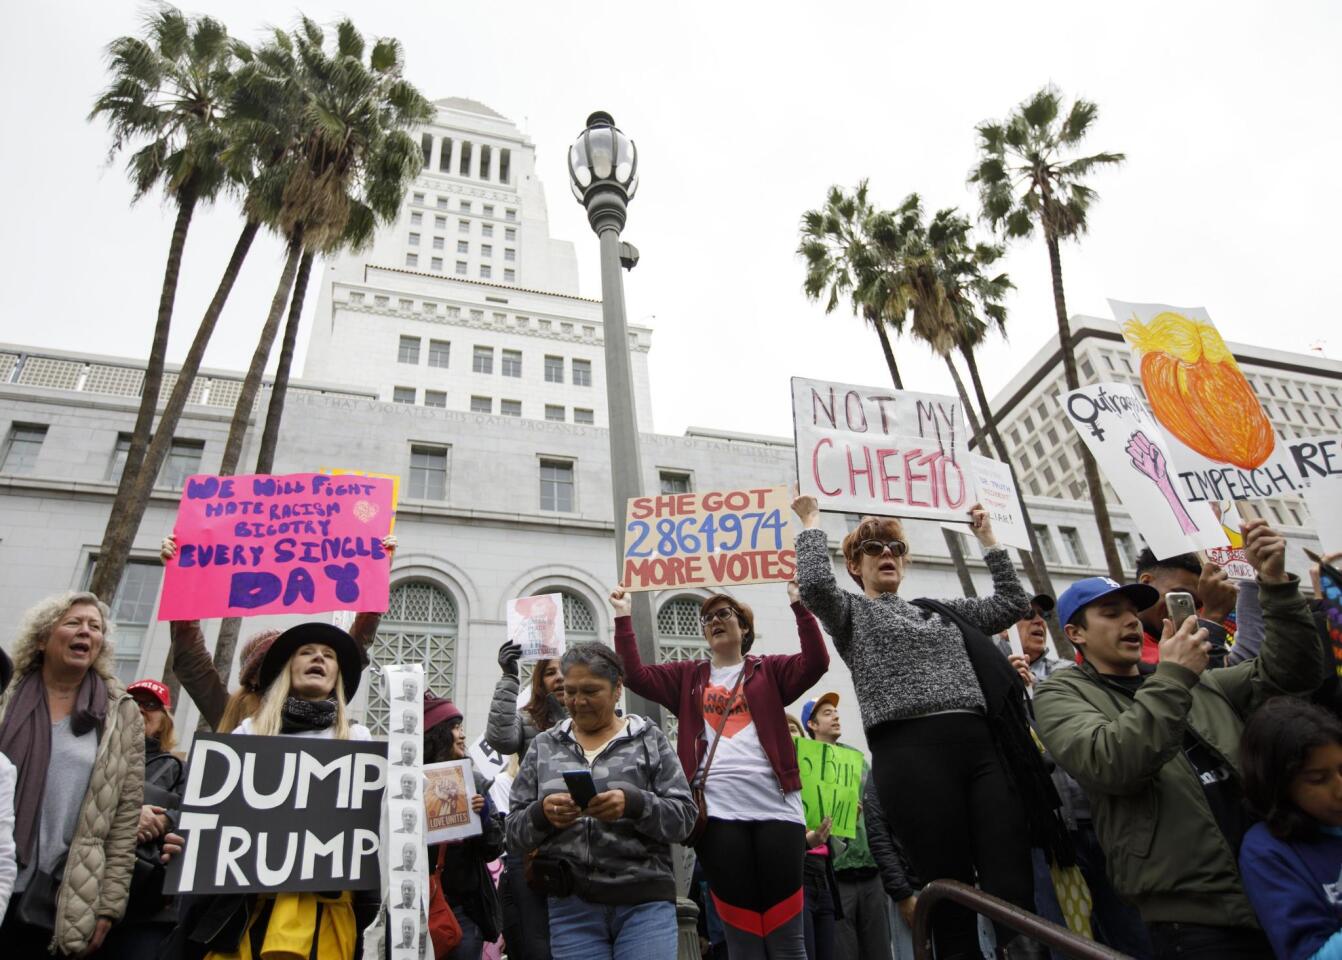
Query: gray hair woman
x=609, y=880
x=77, y=740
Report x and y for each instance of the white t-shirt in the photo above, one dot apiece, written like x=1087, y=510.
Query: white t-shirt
x=357, y=731
x=741, y=782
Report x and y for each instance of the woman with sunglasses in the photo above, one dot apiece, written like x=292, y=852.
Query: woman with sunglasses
x=934, y=737
x=755, y=839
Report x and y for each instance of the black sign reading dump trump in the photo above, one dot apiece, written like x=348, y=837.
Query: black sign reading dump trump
x=280, y=813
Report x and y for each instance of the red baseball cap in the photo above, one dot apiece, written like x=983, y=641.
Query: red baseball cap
x=159, y=691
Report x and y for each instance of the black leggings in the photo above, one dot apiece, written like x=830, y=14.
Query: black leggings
x=754, y=876
x=950, y=802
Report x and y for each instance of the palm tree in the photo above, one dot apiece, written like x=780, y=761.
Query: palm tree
x=842, y=260
x=166, y=99
x=1027, y=174
x=348, y=170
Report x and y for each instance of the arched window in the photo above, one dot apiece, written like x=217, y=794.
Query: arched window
x=420, y=626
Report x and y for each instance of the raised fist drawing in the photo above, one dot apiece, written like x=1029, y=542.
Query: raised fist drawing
x=1149, y=461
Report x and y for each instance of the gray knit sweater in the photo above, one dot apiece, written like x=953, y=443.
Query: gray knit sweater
x=905, y=661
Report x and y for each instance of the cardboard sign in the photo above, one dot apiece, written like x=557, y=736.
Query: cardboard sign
x=448, y=791
x=995, y=489
x=1132, y=453
x=257, y=544
x=708, y=539
x=875, y=450
x=537, y=624
x=279, y=813
x=395, y=486
x=831, y=784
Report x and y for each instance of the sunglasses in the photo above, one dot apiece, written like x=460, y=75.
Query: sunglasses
x=874, y=548
x=153, y=706
x=720, y=615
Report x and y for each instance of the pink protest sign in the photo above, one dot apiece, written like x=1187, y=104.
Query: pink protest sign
x=300, y=543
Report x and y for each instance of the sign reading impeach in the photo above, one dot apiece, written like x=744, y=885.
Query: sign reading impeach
x=300, y=543
x=280, y=813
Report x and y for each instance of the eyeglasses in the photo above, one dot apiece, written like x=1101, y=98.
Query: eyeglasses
x=720, y=615
x=874, y=548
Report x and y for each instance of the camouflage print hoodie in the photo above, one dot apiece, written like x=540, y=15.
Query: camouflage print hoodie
x=625, y=862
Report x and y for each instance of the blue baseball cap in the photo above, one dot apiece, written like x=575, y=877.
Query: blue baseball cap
x=809, y=706
x=1089, y=590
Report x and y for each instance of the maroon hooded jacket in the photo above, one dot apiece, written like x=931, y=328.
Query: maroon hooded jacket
x=771, y=683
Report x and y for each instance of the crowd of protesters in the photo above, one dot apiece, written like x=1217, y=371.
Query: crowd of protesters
x=1180, y=780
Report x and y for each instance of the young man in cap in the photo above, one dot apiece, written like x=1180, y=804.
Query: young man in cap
x=1157, y=748
x=863, y=918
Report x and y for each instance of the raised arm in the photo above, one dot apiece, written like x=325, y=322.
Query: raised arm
x=1008, y=601
x=191, y=662
x=832, y=604
x=659, y=682
x=798, y=672
x=503, y=728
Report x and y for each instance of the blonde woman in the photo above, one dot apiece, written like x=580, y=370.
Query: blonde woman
x=77, y=741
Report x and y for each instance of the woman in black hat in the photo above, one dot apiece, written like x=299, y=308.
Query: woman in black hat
x=308, y=676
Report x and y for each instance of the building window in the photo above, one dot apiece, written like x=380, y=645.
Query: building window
x=486, y=273
x=442, y=203
x=582, y=373
x=510, y=408
x=402, y=394
x=439, y=352
x=486, y=229
x=435, y=398
x=509, y=254
x=510, y=233
x=487, y=209
x=445, y=155
x=1086, y=369
x=510, y=214
x=1071, y=540
x=183, y=460
x=512, y=363
x=1038, y=449
x=420, y=626
x=1029, y=423
x=1045, y=541
x=411, y=260
x=482, y=405
x=463, y=246
x=583, y=416
x=426, y=147
x=120, y=450
x=408, y=352
x=1126, y=549
x=1015, y=437
x=436, y=264
x=1048, y=474
x=414, y=239
x=674, y=482
x=1052, y=436
x=554, y=412
x=463, y=226
x=132, y=613
x=505, y=165
x=428, y=472
x=418, y=198
x=486, y=250
x=554, y=369
x=461, y=268
x=464, y=167
x=437, y=243
x=482, y=361
x=486, y=158
x=380, y=300
x=440, y=223
x=416, y=218
x=509, y=275
x=557, y=485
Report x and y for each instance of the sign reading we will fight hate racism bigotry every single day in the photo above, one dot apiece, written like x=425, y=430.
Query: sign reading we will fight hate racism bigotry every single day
x=708, y=539
x=298, y=543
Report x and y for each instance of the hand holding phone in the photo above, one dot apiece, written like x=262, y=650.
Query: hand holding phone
x=1180, y=607
x=581, y=786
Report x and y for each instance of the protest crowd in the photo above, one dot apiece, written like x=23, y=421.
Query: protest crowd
x=1173, y=791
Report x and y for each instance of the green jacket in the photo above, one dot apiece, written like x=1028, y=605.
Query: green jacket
x=1164, y=849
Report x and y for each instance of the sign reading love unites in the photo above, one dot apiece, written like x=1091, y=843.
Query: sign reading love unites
x=258, y=544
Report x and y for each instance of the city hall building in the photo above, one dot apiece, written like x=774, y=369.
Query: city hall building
x=457, y=354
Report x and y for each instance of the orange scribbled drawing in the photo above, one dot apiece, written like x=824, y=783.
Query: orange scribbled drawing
x=1197, y=391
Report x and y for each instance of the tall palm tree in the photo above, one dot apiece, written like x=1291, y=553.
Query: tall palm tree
x=166, y=101
x=842, y=261
x=346, y=113
x=1028, y=174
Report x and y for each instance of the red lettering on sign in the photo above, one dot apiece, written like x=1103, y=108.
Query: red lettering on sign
x=642, y=508
x=911, y=477
x=815, y=468
x=854, y=472
x=889, y=491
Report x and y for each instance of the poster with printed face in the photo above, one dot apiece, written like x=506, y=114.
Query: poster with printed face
x=405, y=870
x=831, y=785
x=876, y=450
x=279, y=813
x=448, y=792
x=537, y=625
x=1133, y=456
x=709, y=539
x=258, y=544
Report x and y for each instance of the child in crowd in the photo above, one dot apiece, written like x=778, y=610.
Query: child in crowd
x=1291, y=756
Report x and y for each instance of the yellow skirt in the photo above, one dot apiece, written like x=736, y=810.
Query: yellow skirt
x=294, y=923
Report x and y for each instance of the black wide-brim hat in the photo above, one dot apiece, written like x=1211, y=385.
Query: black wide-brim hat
x=288, y=642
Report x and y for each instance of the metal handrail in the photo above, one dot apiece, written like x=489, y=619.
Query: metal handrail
x=999, y=911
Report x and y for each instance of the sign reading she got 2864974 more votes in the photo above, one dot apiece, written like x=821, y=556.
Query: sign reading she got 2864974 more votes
x=881, y=451
x=708, y=539
x=298, y=543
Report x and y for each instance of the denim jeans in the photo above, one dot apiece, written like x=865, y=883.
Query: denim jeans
x=472, y=942
x=594, y=931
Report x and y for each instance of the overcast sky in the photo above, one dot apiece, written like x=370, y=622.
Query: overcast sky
x=744, y=113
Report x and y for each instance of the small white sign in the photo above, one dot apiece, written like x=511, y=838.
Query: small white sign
x=996, y=491
x=537, y=624
x=448, y=791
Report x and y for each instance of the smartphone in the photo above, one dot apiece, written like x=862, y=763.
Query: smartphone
x=1180, y=606
x=581, y=786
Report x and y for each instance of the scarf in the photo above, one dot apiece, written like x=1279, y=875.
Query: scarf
x=303, y=715
x=25, y=737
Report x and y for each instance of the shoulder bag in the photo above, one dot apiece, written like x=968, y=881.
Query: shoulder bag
x=444, y=929
x=697, y=787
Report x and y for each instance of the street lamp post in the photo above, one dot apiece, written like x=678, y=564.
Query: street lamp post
x=603, y=172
